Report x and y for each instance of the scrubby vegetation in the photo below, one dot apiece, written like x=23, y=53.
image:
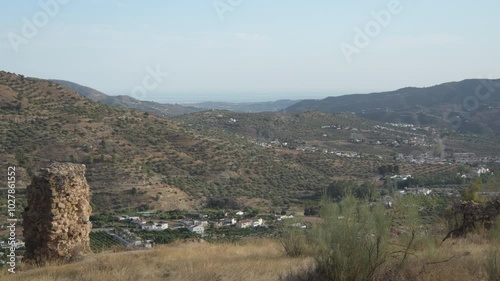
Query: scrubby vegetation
x=357, y=240
x=215, y=161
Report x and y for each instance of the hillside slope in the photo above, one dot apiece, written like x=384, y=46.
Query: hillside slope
x=137, y=160
x=171, y=165
x=160, y=109
x=437, y=105
x=314, y=130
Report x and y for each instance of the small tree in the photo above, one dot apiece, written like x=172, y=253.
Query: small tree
x=352, y=241
x=470, y=192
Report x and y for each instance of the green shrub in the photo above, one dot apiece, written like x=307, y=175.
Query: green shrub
x=294, y=242
x=352, y=240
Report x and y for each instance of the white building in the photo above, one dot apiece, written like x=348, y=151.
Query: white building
x=480, y=170
x=199, y=229
x=284, y=217
x=155, y=226
x=401, y=177
x=244, y=224
x=250, y=223
x=257, y=222
x=299, y=225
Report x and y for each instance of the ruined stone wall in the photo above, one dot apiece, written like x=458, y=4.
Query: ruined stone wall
x=56, y=222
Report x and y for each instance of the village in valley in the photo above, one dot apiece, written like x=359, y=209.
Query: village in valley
x=140, y=230
x=134, y=231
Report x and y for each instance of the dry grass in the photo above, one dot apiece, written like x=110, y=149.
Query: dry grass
x=454, y=260
x=459, y=259
x=255, y=260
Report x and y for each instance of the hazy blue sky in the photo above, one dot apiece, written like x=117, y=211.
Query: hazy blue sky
x=250, y=49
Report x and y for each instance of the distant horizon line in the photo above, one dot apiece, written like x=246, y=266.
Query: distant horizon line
x=194, y=96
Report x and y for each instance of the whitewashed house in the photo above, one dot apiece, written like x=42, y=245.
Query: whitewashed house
x=199, y=229
x=230, y=221
x=244, y=224
x=257, y=222
x=480, y=170
x=155, y=226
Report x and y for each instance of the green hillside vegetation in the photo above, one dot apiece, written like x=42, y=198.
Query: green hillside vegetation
x=140, y=161
x=168, y=166
x=339, y=131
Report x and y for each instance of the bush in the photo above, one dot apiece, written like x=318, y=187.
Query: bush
x=352, y=241
x=294, y=242
x=311, y=211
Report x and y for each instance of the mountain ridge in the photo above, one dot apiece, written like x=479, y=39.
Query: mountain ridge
x=476, y=102
x=161, y=109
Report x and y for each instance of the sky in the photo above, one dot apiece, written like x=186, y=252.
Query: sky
x=179, y=51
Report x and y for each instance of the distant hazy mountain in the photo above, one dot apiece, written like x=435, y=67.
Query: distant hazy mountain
x=247, y=107
x=476, y=102
x=129, y=102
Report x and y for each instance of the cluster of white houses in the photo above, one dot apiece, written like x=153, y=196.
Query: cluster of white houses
x=194, y=225
x=249, y=223
x=161, y=225
x=154, y=226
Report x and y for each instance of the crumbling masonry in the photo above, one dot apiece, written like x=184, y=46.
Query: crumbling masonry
x=56, y=221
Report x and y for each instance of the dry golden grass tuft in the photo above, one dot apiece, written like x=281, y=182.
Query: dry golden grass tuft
x=255, y=260
x=456, y=259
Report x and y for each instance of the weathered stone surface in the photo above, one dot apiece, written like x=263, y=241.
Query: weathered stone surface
x=51, y=213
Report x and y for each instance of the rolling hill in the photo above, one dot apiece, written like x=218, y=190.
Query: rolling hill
x=475, y=101
x=140, y=161
x=160, y=109
x=170, y=165
x=335, y=132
